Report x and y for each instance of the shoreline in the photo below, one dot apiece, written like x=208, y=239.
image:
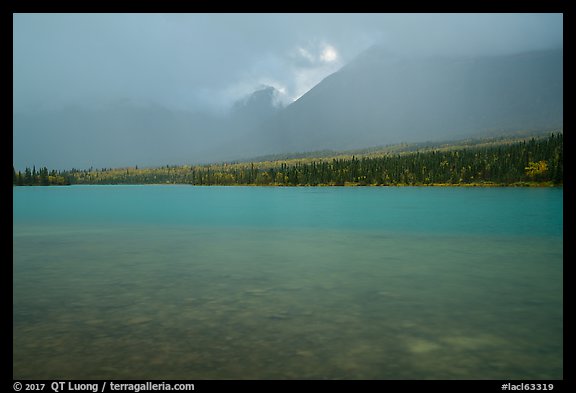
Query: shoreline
x=347, y=184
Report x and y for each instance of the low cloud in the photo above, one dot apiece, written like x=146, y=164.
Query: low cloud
x=292, y=73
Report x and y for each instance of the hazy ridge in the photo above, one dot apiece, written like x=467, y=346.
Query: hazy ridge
x=378, y=99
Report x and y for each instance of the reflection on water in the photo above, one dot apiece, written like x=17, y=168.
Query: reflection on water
x=230, y=303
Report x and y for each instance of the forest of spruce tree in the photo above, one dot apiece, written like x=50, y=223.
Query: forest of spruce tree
x=528, y=162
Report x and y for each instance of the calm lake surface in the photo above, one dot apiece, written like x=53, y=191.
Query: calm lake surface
x=182, y=282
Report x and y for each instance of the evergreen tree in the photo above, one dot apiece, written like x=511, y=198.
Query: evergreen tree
x=28, y=180
x=43, y=177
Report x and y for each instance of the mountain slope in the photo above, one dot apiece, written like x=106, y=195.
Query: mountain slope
x=382, y=98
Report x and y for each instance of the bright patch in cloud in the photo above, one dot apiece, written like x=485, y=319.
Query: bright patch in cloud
x=315, y=53
x=329, y=54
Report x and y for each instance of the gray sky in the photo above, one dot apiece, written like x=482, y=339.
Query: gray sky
x=207, y=61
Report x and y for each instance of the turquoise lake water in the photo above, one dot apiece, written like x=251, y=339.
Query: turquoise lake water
x=182, y=282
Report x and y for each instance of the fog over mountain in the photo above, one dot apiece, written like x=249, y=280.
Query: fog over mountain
x=111, y=90
x=381, y=98
x=133, y=133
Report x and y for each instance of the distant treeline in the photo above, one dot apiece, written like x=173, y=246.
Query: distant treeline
x=42, y=177
x=537, y=160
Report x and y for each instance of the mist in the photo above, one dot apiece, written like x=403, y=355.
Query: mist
x=108, y=90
